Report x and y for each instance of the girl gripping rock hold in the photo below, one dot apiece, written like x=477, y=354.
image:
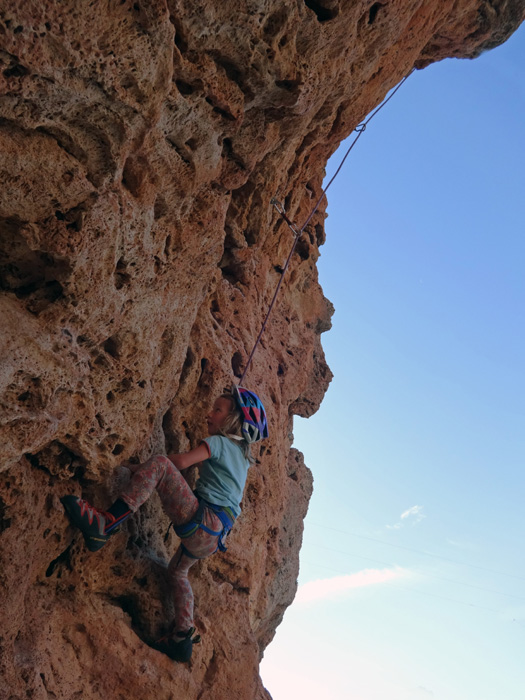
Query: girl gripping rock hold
x=202, y=519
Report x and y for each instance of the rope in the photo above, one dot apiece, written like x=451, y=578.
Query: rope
x=360, y=130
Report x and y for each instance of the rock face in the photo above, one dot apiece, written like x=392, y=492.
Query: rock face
x=140, y=146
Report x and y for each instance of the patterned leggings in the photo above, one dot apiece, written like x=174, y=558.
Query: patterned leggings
x=179, y=504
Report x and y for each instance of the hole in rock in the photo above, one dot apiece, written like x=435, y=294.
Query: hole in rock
x=4, y=522
x=206, y=371
x=219, y=110
x=237, y=363
x=167, y=245
x=101, y=361
x=275, y=22
x=289, y=85
x=40, y=296
x=230, y=273
x=188, y=364
x=323, y=13
x=251, y=236
x=122, y=277
x=134, y=175
x=372, y=14
x=31, y=274
x=111, y=346
x=184, y=88
x=230, y=68
x=58, y=460
x=128, y=605
x=126, y=384
x=180, y=41
x=63, y=559
x=160, y=208
x=303, y=248
x=186, y=429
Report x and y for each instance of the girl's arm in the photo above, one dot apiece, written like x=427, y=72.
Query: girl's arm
x=188, y=459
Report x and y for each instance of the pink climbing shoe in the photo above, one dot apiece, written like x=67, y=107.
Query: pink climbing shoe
x=90, y=521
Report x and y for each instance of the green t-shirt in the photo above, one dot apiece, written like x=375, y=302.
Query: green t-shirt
x=223, y=475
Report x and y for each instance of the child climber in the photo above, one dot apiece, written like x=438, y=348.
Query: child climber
x=201, y=519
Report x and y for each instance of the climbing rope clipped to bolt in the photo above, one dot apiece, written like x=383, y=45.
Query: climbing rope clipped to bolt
x=297, y=232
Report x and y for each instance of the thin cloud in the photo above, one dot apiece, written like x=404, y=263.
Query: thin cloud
x=414, y=512
x=463, y=545
x=325, y=589
x=414, y=515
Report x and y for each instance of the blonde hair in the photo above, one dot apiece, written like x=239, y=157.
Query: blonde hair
x=232, y=427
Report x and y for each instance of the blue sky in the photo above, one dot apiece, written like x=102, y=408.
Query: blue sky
x=412, y=580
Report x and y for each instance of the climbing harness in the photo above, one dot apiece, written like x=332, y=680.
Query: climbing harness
x=224, y=514
x=360, y=130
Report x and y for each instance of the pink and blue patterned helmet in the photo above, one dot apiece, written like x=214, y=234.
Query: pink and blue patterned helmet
x=255, y=425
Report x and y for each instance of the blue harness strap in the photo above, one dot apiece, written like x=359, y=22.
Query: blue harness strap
x=224, y=514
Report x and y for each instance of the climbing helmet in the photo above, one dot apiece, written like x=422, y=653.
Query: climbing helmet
x=255, y=425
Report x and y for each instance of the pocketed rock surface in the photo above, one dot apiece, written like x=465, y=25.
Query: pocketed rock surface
x=140, y=146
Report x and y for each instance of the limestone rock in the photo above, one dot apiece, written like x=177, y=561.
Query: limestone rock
x=140, y=146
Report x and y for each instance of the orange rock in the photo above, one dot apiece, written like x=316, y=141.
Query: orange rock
x=140, y=146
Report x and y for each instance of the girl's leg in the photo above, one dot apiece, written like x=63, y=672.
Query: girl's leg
x=201, y=544
x=180, y=505
x=158, y=473
x=181, y=590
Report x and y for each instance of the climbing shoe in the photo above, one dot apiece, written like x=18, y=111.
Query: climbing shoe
x=90, y=521
x=178, y=646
